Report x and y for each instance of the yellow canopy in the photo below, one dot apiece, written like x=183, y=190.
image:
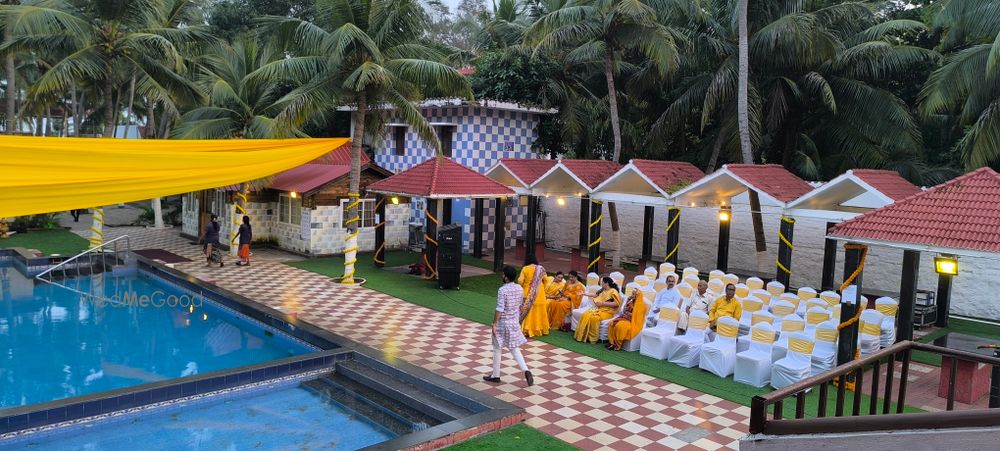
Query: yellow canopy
x=43, y=175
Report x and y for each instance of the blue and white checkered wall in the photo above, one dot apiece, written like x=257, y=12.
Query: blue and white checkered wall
x=482, y=137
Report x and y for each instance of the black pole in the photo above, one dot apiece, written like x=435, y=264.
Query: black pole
x=725, y=220
x=908, y=295
x=995, y=383
x=584, y=223
x=829, y=260
x=430, y=239
x=499, y=233
x=445, y=212
x=529, y=234
x=785, y=248
x=943, y=299
x=479, y=213
x=648, y=216
x=380, y=232
x=594, y=246
x=848, y=341
x=673, y=234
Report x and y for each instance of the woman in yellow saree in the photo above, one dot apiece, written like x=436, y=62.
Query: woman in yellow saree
x=534, y=311
x=568, y=300
x=629, y=323
x=606, y=304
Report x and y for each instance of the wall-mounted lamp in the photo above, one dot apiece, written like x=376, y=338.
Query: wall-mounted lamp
x=293, y=195
x=561, y=201
x=946, y=265
x=395, y=200
x=724, y=215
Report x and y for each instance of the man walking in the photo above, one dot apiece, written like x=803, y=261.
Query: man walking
x=507, y=326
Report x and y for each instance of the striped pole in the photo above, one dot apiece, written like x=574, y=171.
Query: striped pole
x=785, y=248
x=594, y=246
x=97, y=228
x=239, y=210
x=351, y=240
x=379, y=256
x=673, y=234
x=430, y=238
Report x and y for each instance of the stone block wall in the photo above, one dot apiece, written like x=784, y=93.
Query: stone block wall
x=189, y=216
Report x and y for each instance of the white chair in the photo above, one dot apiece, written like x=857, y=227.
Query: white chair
x=602, y=332
x=730, y=279
x=824, y=356
x=689, y=272
x=755, y=283
x=654, y=339
x=719, y=356
x=888, y=307
x=693, y=281
x=814, y=317
x=789, y=325
x=749, y=306
x=753, y=366
x=685, y=290
x=715, y=274
x=593, y=279
x=635, y=343
x=618, y=278
x=831, y=298
x=806, y=293
x=742, y=291
x=780, y=309
x=717, y=287
x=797, y=365
x=870, y=334
x=630, y=288
x=643, y=281
x=800, y=307
x=685, y=350
x=817, y=303
x=763, y=316
x=763, y=295
x=666, y=268
x=586, y=303
x=651, y=273
x=659, y=284
x=775, y=288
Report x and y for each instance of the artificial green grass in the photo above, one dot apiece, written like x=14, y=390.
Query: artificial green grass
x=519, y=437
x=967, y=327
x=49, y=242
x=476, y=302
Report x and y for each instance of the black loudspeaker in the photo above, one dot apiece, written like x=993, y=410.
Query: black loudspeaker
x=449, y=256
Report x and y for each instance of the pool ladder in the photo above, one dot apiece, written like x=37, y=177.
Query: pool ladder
x=109, y=256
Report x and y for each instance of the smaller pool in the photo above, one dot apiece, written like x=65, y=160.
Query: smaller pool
x=297, y=416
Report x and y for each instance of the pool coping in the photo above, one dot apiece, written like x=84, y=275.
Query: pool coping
x=492, y=414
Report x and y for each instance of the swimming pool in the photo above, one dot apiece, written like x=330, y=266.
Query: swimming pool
x=56, y=344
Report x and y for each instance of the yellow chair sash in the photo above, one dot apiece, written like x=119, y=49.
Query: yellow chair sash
x=669, y=314
x=755, y=284
x=752, y=305
x=629, y=291
x=792, y=325
x=871, y=328
x=755, y=319
x=887, y=309
x=782, y=310
x=806, y=295
x=684, y=291
x=830, y=300
x=742, y=292
x=800, y=346
x=729, y=330
x=827, y=335
x=775, y=290
x=697, y=323
x=817, y=317
x=762, y=336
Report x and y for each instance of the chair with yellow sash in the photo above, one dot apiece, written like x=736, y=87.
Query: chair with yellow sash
x=763, y=295
x=685, y=290
x=742, y=290
x=775, y=288
x=693, y=281
x=797, y=364
x=730, y=279
x=659, y=284
x=586, y=303
x=690, y=272
x=685, y=350
x=790, y=324
x=716, y=274
x=717, y=287
x=817, y=303
x=870, y=333
x=815, y=316
x=762, y=316
x=654, y=339
x=719, y=356
x=888, y=307
x=651, y=273
x=831, y=298
x=824, y=356
x=630, y=288
x=666, y=268
x=749, y=306
x=800, y=307
x=618, y=278
x=806, y=293
x=753, y=365
x=634, y=344
x=643, y=281
x=755, y=283
x=780, y=309
x=593, y=279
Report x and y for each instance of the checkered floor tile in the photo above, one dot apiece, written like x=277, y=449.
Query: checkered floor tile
x=583, y=401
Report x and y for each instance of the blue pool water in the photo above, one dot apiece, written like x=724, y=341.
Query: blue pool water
x=56, y=344
x=292, y=418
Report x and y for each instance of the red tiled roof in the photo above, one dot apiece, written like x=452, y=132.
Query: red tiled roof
x=669, y=175
x=341, y=156
x=308, y=177
x=772, y=179
x=591, y=172
x=528, y=169
x=962, y=213
x=442, y=178
x=889, y=183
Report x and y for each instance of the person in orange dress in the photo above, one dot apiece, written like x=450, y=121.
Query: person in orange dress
x=567, y=300
x=605, y=306
x=535, y=310
x=629, y=323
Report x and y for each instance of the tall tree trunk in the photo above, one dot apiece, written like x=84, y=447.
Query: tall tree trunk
x=78, y=112
x=128, y=112
x=165, y=121
x=150, y=119
x=716, y=149
x=109, y=106
x=65, y=123
x=616, y=132
x=11, y=73
x=354, y=189
x=743, y=116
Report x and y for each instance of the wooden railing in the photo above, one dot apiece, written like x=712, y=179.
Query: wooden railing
x=881, y=364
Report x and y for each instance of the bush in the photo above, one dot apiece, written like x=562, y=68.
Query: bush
x=43, y=221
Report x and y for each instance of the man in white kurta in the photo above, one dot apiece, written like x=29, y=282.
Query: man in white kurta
x=701, y=300
x=668, y=296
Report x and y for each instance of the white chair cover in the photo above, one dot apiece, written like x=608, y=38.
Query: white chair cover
x=689, y=272
x=685, y=290
x=716, y=274
x=685, y=350
x=659, y=284
x=719, y=356
x=753, y=365
x=830, y=297
x=586, y=303
x=693, y=281
x=730, y=279
x=789, y=324
x=780, y=309
x=618, y=277
x=654, y=339
x=817, y=303
x=749, y=306
x=888, y=307
x=643, y=281
x=806, y=293
x=666, y=268
x=717, y=287
x=870, y=334
x=629, y=288
x=775, y=288
x=797, y=365
x=824, y=356
x=755, y=283
x=763, y=295
x=742, y=291
x=814, y=317
x=606, y=324
x=763, y=316
x=651, y=273
x=593, y=279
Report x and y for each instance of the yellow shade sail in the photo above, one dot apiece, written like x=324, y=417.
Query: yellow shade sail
x=43, y=175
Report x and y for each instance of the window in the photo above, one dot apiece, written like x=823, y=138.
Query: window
x=219, y=206
x=445, y=135
x=366, y=209
x=399, y=140
x=289, y=210
x=190, y=202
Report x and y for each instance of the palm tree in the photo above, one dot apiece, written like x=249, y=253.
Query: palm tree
x=364, y=53
x=967, y=85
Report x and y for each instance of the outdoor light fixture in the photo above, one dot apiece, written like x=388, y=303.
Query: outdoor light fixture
x=293, y=195
x=945, y=265
x=395, y=200
x=561, y=201
x=204, y=316
x=724, y=216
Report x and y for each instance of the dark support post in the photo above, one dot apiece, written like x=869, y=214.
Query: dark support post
x=430, y=237
x=478, y=213
x=943, y=299
x=380, y=232
x=829, y=260
x=848, y=341
x=594, y=246
x=908, y=295
x=647, y=233
x=529, y=234
x=446, y=211
x=995, y=383
x=785, y=248
x=673, y=235
x=499, y=233
x=584, y=222
x=725, y=220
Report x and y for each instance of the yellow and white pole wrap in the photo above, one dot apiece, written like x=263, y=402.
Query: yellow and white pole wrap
x=239, y=209
x=97, y=228
x=351, y=240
